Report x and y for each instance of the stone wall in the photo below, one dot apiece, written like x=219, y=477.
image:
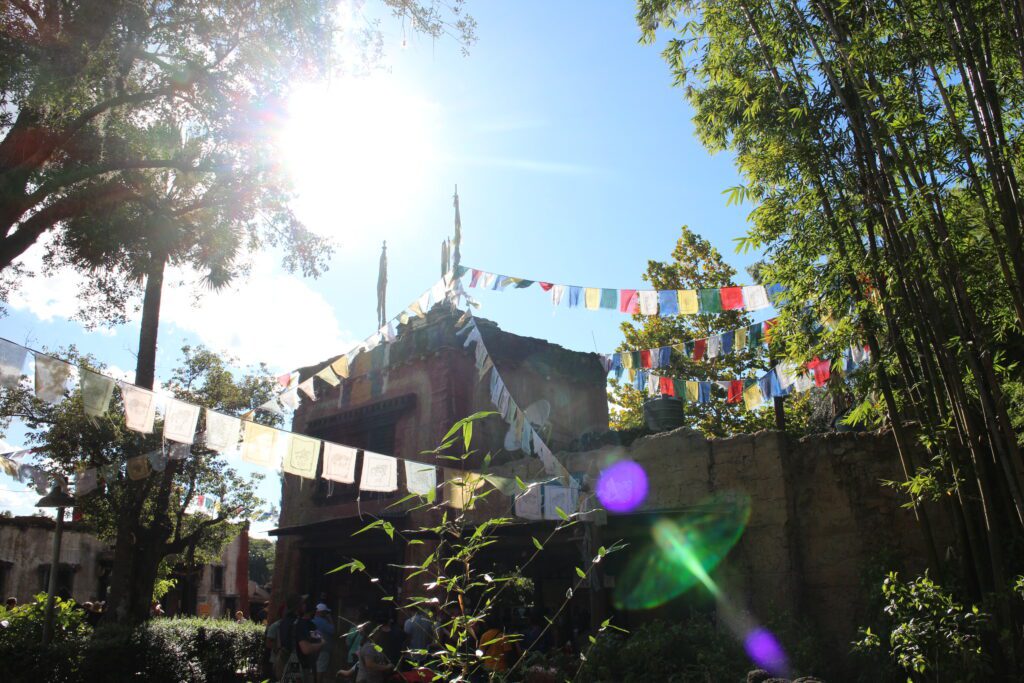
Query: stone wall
x=820, y=520
x=26, y=548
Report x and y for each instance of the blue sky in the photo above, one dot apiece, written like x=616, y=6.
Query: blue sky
x=575, y=161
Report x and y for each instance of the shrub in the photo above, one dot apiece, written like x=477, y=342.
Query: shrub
x=694, y=650
x=22, y=656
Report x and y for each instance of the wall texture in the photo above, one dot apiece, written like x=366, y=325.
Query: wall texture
x=26, y=546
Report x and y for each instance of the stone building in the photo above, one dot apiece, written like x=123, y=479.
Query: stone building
x=819, y=519
x=26, y=553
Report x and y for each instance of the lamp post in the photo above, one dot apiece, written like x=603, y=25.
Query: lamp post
x=56, y=498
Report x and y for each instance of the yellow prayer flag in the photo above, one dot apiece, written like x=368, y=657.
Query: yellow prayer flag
x=687, y=301
x=752, y=397
x=138, y=467
x=592, y=298
x=302, y=457
x=692, y=391
x=627, y=359
x=340, y=366
x=258, y=444
x=327, y=375
x=417, y=309
x=460, y=488
x=741, y=339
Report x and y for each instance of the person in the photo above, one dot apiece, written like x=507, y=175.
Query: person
x=272, y=647
x=239, y=617
x=264, y=613
x=323, y=623
x=12, y=602
x=419, y=629
x=374, y=666
x=300, y=638
x=499, y=652
x=354, y=639
x=156, y=609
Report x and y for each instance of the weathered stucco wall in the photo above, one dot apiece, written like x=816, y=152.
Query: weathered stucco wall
x=26, y=546
x=820, y=518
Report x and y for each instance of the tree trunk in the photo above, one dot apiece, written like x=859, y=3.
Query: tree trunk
x=145, y=367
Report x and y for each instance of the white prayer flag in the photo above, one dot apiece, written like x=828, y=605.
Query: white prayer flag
x=307, y=388
x=420, y=478
x=221, y=431
x=339, y=463
x=714, y=346
x=528, y=503
x=180, y=420
x=755, y=297
x=96, y=393
x=177, y=451
x=558, y=497
x=12, y=360
x=86, y=481
x=648, y=302
x=258, y=444
x=302, y=456
x=380, y=472
x=327, y=375
x=557, y=292
x=51, y=378
x=139, y=408
x=290, y=398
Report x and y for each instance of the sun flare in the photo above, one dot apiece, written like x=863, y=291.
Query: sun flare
x=358, y=151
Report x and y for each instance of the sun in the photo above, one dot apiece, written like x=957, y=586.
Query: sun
x=359, y=152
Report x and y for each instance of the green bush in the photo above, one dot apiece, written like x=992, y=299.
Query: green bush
x=161, y=651
x=693, y=651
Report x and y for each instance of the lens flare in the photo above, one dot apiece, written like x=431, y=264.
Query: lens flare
x=683, y=554
x=765, y=651
x=622, y=487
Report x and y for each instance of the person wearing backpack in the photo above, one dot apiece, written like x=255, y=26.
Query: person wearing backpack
x=300, y=642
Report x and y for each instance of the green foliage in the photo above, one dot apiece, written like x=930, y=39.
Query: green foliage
x=692, y=651
x=930, y=633
x=460, y=592
x=261, y=560
x=164, y=650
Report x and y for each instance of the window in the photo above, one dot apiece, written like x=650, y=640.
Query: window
x=218, y=579
x=65, y=578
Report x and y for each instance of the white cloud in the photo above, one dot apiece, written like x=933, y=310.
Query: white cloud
x=18, y=502
x=270, y=317
x=47, y=298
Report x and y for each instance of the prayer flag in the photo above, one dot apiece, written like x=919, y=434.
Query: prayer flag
x=340, y=366
x=629, y=301
x=474, y=278
x=180, y=420
x=557, y=292
x=754, y=336
x=648, y=302
x=728, y=340
x=668, y=302
x=710, y=300
x=822, y=370
x=138, y=467
x=96, y=393
x=679, y=388
x=327, y=375
x=379, y=473
x=666, y=387
x=258, y=444
x=529, y=503
x=157, y=460
x=420, y=478
x=688, y=303
x=284, y=380
x=608, y=298
x=591, y=298
x=732, y=298
x=735, y=392
x=460, y=487
x=755, y=298
x=574, y=296
x=767, y=385
x=645, y=358
x=307, y=388
x=177, y=451
x=51, y=378
x=775, y=293
x=740, y=338
x=139, y=408
x=302, y=457
x=714, y=346
x=752, y=397
x=700, y=346
x=546, y=286
x=703, y=392
x=221, y=431
x=12, y=360
x=556, y=497
x=339, y=463
x=85, y=481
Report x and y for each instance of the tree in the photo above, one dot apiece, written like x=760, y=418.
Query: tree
x=261, y=560
x=152, y=522
x=880, y=145
x=695, y=264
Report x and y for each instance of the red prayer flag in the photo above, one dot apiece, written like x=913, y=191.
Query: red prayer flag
x=822, y=370
x=735, y=391
x=666, y=387
x=732, y=298
x=629, y=301
x=475, y=277
x=546, y=286
x=700, y=347
x=645, y=358
x=285, y=379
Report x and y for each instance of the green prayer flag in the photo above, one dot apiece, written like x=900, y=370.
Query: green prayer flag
x=754, y=336
x=710, y=300
x=610, y=298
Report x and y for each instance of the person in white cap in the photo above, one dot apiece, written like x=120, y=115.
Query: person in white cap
x=325, y=626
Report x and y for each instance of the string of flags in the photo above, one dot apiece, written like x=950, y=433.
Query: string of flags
x=632, y=301
x=254, y=443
